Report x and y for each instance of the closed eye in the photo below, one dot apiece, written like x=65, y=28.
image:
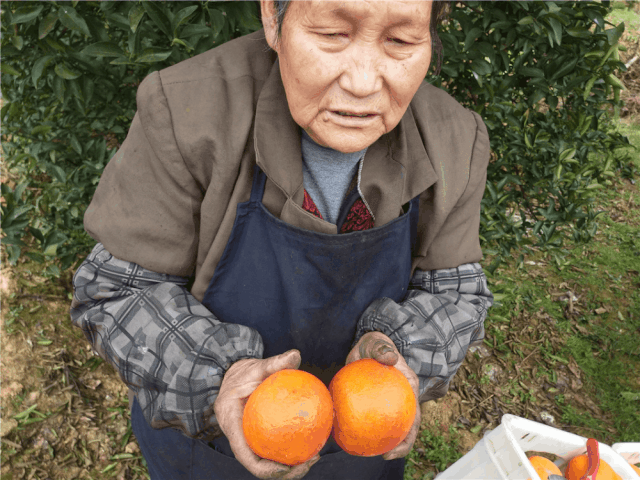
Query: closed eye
x=398, y=41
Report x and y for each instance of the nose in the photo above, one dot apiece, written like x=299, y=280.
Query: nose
x=362, y=71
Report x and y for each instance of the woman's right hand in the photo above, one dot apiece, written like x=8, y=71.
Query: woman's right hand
x=242, y=378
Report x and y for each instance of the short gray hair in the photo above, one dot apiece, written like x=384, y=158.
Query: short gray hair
x=440, y=10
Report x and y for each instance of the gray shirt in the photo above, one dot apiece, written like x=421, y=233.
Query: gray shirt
x=327, y=174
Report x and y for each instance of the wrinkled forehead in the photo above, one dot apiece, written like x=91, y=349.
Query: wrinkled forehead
x=395, y=12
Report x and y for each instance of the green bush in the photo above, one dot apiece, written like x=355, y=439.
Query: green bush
x=70, y=72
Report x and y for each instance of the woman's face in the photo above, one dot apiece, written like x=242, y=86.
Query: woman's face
x=343, y=59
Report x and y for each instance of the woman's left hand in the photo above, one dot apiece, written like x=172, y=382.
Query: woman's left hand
x=378, y=346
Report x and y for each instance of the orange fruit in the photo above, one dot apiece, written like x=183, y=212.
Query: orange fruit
x=288, y=417
x=578, y=466
x=544, y=467
x=374, y=407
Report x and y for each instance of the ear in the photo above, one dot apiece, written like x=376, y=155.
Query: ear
x=268, y=11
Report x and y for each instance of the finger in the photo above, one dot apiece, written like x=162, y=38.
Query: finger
x=404, y=447
x=386, y=356
x=243, y=391
x=372, y=344
x=289, y=359
x=260, y=467
x=299, y=471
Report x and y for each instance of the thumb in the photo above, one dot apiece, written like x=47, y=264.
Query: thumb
x=384, y=354
x=288, y=359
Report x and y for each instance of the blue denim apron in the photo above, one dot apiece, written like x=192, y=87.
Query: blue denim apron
x=299, y=289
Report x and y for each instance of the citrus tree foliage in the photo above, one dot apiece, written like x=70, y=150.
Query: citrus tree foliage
x=502, y=60
x=70, y=72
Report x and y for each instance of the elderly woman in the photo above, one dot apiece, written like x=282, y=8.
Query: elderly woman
x=296, y=198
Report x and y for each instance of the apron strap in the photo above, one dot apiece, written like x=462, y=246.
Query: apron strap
x=259, y=181
x=413, y=221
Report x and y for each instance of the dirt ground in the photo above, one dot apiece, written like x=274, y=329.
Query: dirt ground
x=65, y=412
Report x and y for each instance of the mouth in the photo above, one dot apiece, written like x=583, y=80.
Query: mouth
x=354, y=114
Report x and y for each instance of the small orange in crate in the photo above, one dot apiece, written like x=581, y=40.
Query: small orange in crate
x=374, y=407
x=544, y=467
x=288, y=417
x=579, y=465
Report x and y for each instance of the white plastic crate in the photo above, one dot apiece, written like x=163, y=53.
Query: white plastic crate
x=501, y=452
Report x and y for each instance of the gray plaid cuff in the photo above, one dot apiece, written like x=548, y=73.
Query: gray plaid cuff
x=166, y=346
x=442, y=314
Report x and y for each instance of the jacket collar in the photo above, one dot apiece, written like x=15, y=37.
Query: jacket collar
x=396, y=167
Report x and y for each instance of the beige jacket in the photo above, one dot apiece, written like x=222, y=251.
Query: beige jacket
x=167, y=199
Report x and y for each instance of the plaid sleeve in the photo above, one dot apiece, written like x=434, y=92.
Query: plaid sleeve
x=441, y=316
x=167, y=347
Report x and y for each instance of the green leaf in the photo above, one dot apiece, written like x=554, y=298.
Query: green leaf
x=594, y=53
x=9, y=70
x=531, y=72
x=40, y=129
x=87, y=89
x=182, y=17
x=70, y=19
x=564, y=70
x=557, y=30
x=27, y=13
x=59, y=87
x=614, y=34
x=14, y=253
x=156, y=11
x=64, y=71
x=192, y=30
x=578, y=32
x=18, y=42
x=182, y=42
x=481, y=66
x=103, y=49
x=217, y=21
x=135, y=42
x=471, y=37
x=122, y=61
x=38, y=67
x=75, y=89
x=528, y=20
x=53, y=239
x=135, y=15
x=608, y=54
x=567, y=154
x=47, y=25
x=614, y=81
x=152, y=55
x=536, y=97
x=17, y=193
x=37, y=233
x=55, y=45
x=588, y=87
x=75, y=144
x=58, y=173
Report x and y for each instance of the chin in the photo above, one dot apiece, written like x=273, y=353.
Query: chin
x=346, y=143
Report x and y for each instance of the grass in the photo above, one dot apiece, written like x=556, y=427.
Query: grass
x=565, y=334
x=622, y=13
x=433, y=451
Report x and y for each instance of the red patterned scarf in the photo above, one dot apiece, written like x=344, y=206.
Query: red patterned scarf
x=357, y=219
